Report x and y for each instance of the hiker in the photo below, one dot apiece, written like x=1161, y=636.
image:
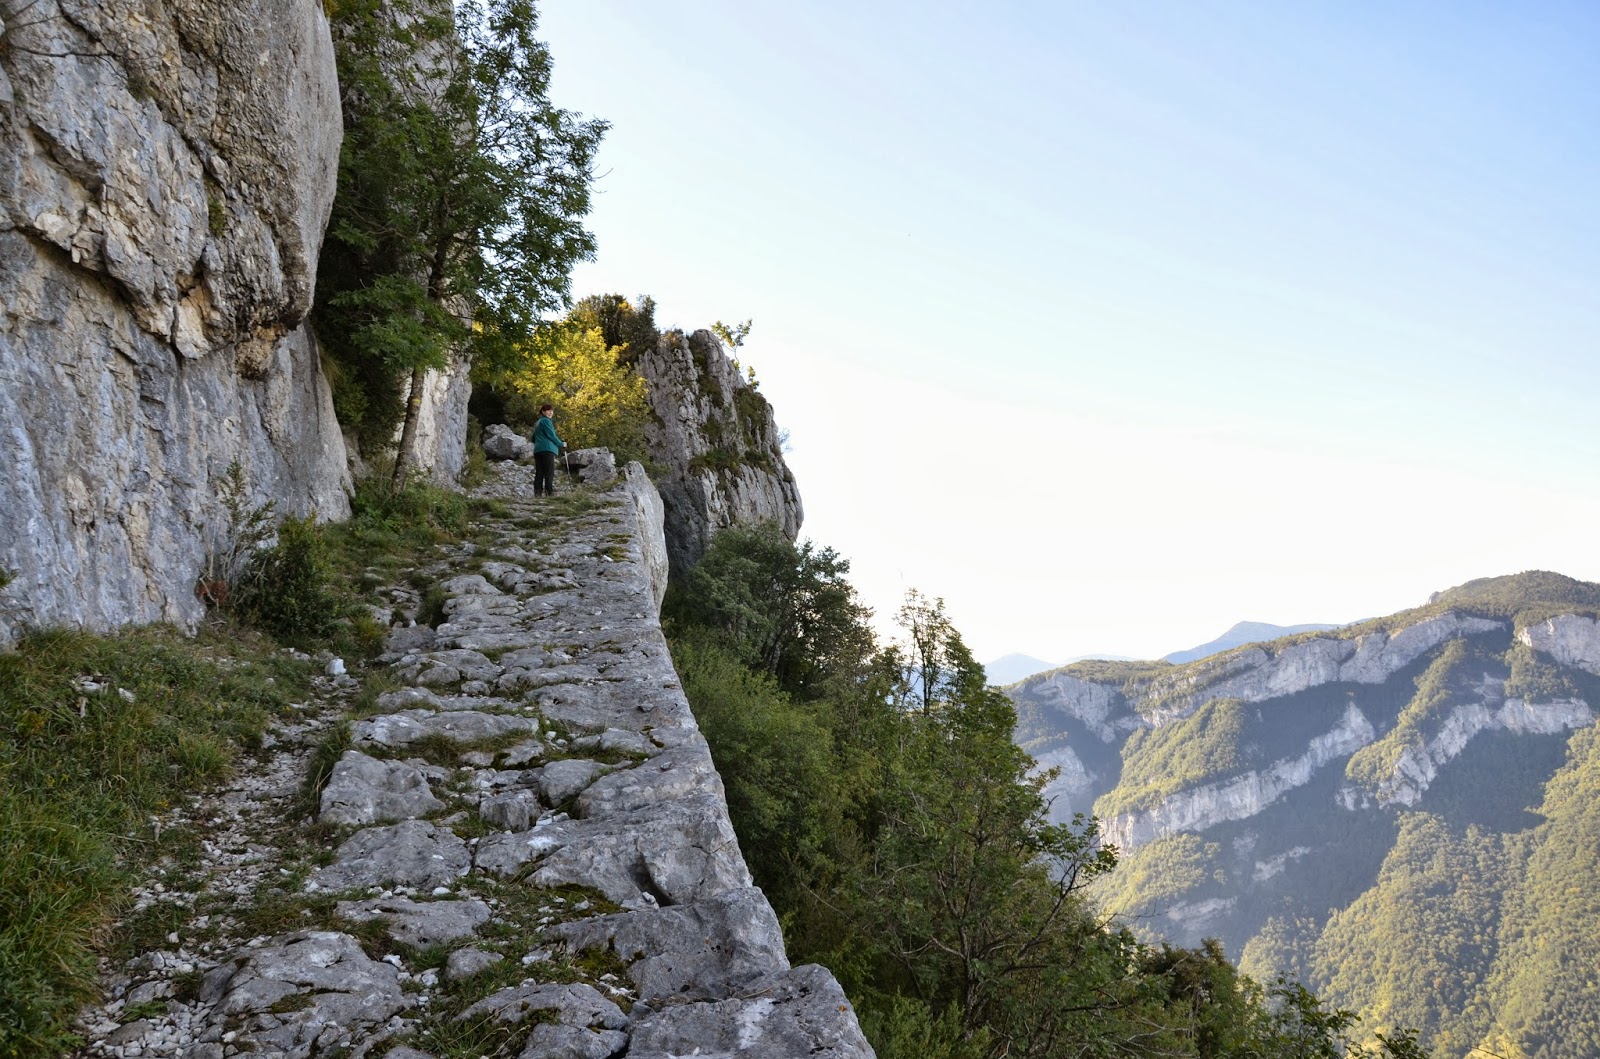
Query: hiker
x=545, y=446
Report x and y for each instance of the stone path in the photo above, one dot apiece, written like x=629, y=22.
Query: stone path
x=523, y=851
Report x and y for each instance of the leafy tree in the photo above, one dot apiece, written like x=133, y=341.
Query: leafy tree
x=600, y=400
x=461, y=195
x=731, y=335
x=628, y=327
x=786, y=609
x=935, y=665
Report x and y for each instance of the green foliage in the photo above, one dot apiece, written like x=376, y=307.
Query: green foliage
x=1535, y=678
x=1509, y=595
x=1158, y=762
x=288, y=589
x=732, y=336
x=599, y=399
x=231, y=546
x=1416, y=948
x=460, y=199
x=81, y=772
x=1151, y=876
x=1543, y=989
x=627, y=327
x=783, y=609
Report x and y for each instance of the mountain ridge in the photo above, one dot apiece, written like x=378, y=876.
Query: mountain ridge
x=1244, y=632
x=1272, y=795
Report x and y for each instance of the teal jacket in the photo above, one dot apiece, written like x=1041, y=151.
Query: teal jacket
x=544, y=436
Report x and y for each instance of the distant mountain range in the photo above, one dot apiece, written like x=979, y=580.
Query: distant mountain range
x=1403, y=812
x=1014, y=667
x=1011, y=668
x=1241, y=634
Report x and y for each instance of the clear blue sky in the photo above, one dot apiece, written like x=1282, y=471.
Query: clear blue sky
x=1114, y=324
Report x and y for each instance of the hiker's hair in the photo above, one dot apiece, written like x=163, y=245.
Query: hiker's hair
x=547, y=408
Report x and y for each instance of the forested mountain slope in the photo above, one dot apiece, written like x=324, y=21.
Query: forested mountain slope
x=1401, y=812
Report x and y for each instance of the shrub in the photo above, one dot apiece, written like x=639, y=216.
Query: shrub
x=288, y=588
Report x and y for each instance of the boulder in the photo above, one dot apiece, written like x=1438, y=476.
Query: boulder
x=500, y=442
x=258, y=996
x=419, y=923
x=800, y=1013
x=363, y=790
x=707, y=950
x=413, y=853
x=592, y=466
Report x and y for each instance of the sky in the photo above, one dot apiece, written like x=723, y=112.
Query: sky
x=1113, y=324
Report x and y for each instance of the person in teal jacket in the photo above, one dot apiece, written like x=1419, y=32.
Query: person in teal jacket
x=545, y=446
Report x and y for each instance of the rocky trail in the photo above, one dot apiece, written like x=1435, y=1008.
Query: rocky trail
x=522, y=848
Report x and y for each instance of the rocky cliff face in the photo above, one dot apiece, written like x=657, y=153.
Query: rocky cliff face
x=166, y=170
x=442, y=423
x=716, y=435
x=1242, y=796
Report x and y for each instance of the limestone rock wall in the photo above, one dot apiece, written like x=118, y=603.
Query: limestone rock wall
x=166, y=170
x=1243, y=796
x=1570, y=639
x=715, y=433
x=442, y=426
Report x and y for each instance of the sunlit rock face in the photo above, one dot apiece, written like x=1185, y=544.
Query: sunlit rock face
x=715, y=435
x=166, y=172
x=1569, y=639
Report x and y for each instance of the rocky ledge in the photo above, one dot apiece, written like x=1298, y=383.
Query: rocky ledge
x=523, y=849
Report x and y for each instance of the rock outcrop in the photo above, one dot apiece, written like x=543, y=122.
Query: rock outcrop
x=166, y=170
x=442, y=423
x=1243, y=796
x=715, y=434
x=1570, y=639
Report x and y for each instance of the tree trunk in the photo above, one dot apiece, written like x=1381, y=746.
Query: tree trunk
x=405, y=459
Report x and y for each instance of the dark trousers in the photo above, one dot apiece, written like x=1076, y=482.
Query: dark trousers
x=544, y=474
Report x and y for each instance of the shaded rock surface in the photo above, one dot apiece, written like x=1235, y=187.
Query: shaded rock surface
x=500, y=442
x=715, y=433
x=576, y=882
x=166, y=171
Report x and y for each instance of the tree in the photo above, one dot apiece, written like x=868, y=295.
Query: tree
x=785, y=609
x=936, y=665
x=628, y=328
x=460, y=200
x=600, y=400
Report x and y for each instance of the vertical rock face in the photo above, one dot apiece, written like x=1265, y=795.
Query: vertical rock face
x=166, y=170
x=716, y=434
x=442, y=426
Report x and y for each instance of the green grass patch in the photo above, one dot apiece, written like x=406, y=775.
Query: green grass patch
x=323, y=758
x=83, y=771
